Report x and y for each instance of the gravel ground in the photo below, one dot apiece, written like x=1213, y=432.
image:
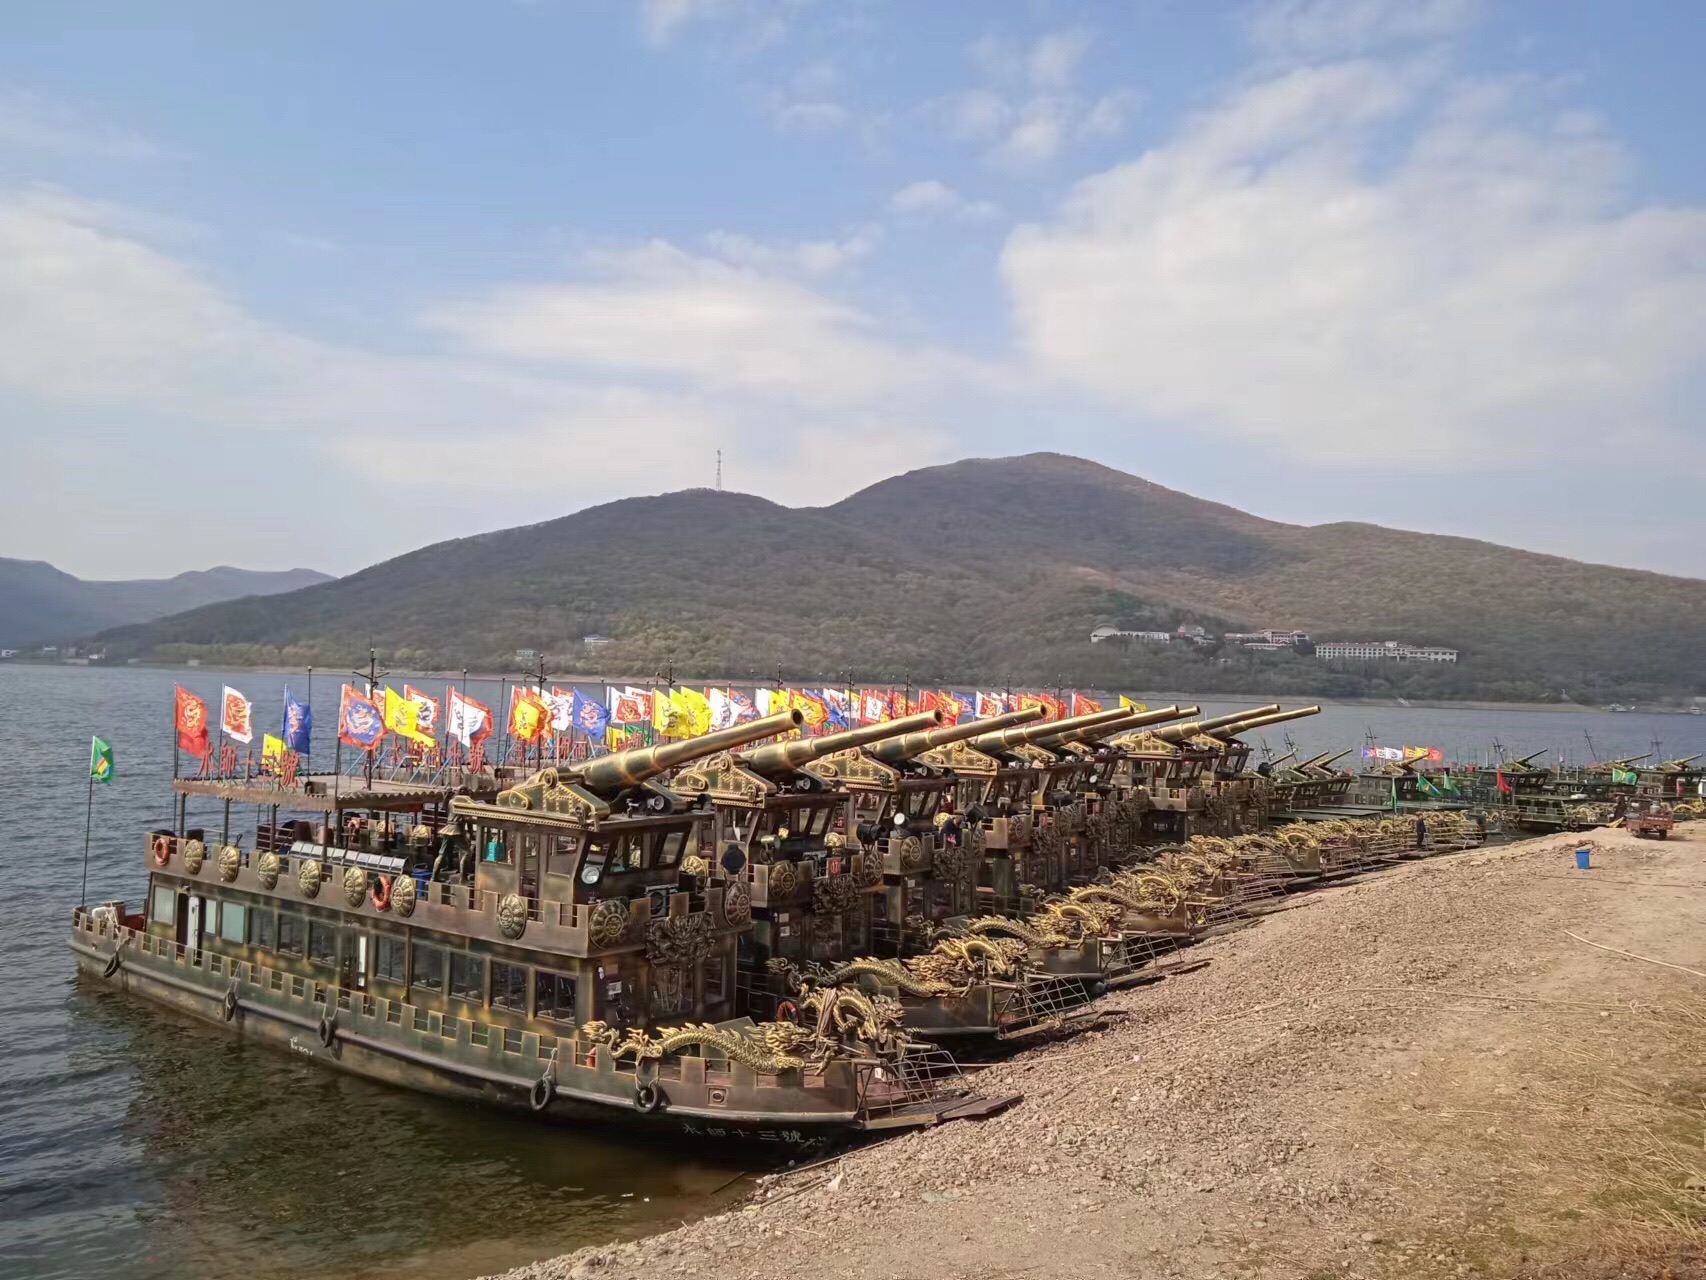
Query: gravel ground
x=1395, y=1076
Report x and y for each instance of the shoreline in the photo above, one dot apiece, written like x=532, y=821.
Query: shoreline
x=1681, y=708
x=1397, y=1075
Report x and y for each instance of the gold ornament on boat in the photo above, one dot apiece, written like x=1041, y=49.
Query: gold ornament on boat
x=267, y=869
x=512, y=915
x=195, y=852
x=308, y=878
x=355, y=885
x=403, y=894
x=230, y=863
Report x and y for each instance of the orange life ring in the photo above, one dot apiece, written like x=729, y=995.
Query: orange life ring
x=380, y=892
x=162, y=850
x=787, y=1011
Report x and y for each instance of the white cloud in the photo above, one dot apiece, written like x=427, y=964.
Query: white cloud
x=1053, y=60
x=975, y=115
x=37, y=123
x=800, y=257
x=119, y=360
x=1030, y=110
x=1357, y=257
x=659, y=311
x=1310, y=28
x=933, y=196
x=809, y=117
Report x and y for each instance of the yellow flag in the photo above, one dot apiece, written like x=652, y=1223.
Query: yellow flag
x=1126, y=704
x=403, y=717
x=695, y=709
x=666, y=714
x=272, y=752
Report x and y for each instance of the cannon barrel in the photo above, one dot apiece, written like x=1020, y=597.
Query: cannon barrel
x=1133, y=720
x=1256, y=722
x=1524, y=762
x=1004, y=738
x=1043, y=735
x=1330, y=761
x=1682, y=763
x=900, y=748
x=1190, y=729
x=629, y=768
x=779, y=757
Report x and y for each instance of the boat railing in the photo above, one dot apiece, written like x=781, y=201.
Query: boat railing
x=563, y=926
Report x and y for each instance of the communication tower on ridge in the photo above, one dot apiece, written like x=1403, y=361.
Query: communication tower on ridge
x=719, y=470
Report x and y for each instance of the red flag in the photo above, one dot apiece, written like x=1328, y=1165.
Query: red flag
x=929, y=700
x=1082, y=706
x=189, y=714
x=1499, y=779
x=360, y=722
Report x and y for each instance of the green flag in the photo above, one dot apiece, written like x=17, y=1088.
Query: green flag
x=100, y=761
x=1426, y=786
x=1624, y=777
x=1449, y=783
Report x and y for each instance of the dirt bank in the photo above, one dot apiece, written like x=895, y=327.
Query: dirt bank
x=1418, y=1074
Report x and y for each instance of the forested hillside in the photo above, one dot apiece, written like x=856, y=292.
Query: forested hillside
x=983, y=569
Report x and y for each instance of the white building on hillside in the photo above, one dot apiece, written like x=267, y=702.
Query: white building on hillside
x=1114, y=633
x=1381, y=651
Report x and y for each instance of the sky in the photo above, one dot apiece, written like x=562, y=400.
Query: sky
x=319, y=283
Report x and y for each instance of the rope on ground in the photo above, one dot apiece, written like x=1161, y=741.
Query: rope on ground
x=1663, y=964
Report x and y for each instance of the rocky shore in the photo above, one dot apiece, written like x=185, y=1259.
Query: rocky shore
x=1419, y=1073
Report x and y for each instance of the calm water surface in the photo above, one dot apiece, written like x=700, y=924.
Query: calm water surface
x=137, y=1144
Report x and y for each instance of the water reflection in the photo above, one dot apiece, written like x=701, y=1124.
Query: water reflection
x=250, y=1163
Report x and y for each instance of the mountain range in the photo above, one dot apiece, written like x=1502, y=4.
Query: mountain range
x=39, y=603
x=985, y=569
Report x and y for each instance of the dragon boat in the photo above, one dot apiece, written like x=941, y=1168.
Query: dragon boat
x=538, y=947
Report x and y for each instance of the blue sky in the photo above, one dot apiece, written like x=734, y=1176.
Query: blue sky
x=315, y=283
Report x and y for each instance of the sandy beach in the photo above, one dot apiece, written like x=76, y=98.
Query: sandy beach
x=1418, y=1073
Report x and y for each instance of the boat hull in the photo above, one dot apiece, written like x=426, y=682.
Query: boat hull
x=597, y=1090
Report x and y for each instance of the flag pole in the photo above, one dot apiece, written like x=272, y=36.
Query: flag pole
x=88, y=826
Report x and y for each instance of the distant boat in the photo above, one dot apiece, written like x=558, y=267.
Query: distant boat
x=1617, y=706
x=1403, y=702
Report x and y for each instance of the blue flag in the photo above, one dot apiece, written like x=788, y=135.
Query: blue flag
x=298, y=731
x=967, y=703
x=588, y=716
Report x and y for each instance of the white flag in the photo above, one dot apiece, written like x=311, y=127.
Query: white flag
x=723, y=710
x=235, y=719
x=562, y=710
x=467, y=719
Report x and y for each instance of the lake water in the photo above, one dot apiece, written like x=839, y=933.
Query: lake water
x=137, y=1144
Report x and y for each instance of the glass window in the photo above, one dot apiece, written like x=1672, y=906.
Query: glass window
x=388, y=955
x=669, y=853
x=714, y=987
x=494, y=845
x=292, y=934
x=427, y=968
x=233, y=922
x=323, y=943
x=261, y=931
x=165, y=905
x=593, y=867
x=562, y=858
x=509, y=986
x=553, y=996
x=467, y=976
x=619, y=854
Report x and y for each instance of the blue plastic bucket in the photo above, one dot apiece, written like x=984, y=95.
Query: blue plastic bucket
x=1581, y=859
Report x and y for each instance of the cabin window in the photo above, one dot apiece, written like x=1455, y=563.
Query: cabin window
x=165, y=905
x=233, y=921
x=427, y=971
x=529, y=849
x=562, y=856
x=388, y=956
x=715, y=989
x=261, y=931
x=554, y=996
x=323, y=944
x=467, y=976
x=292, y=934
x=593, y=868
x=494, y=844
x=669, y=849
x=619, y=853
x=509, y=986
